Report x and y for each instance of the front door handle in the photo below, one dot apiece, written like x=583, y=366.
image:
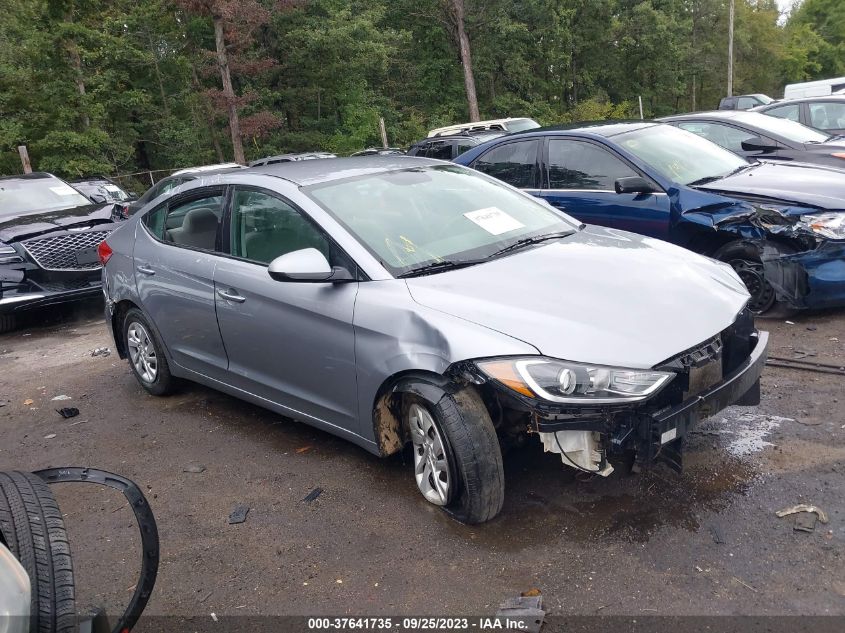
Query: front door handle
x=145, y=270
x=231, y=295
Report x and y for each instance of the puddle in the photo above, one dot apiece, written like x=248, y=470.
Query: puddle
x=745, y=433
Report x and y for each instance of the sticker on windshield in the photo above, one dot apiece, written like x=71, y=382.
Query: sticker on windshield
x=494, y=220
x=63, y=190
x=111, y=188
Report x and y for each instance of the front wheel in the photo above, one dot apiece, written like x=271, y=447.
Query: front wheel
x=745, y=260
x=457, y=458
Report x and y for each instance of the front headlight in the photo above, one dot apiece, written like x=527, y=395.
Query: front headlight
x=575, y=383
x=829, y=225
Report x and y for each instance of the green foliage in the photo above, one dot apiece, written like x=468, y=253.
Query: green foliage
x=121, y=86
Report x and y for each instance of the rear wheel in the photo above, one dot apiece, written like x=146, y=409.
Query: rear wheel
x=31, y=526
x=457, y=458
x=745, y=260
x=146, y=356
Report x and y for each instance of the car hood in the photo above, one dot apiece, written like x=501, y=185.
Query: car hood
x=599, y=296
x=808, y=185
x=35, y=223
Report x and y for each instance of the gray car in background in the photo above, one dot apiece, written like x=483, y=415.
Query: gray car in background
x=399, y=301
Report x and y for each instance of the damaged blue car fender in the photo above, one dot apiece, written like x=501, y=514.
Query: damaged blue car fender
x=782, y=227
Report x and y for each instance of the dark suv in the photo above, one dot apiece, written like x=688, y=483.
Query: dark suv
x=49, y=234
x=451, y=146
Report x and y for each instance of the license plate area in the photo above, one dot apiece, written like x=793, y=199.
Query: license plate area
x=87, y=256
x=703, y=377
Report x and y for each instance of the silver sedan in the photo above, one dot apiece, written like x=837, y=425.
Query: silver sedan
x=402, y=302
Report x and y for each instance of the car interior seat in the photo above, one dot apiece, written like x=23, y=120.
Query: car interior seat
x=198, y=230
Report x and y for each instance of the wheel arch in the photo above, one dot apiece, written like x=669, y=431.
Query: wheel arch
x=388, y=429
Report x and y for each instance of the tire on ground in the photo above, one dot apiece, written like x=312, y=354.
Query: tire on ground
x=7, y=323
x=31, y=526
x=164, y=383
x=475, y=455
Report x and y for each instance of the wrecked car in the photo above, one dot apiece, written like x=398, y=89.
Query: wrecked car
x=37, y=584
x=49, y=234
x=399, y=301
x=781, y=226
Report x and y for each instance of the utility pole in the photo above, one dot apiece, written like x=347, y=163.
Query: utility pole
x=731, y=49
x=24, y=154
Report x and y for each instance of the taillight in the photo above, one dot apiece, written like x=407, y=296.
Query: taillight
x=104, y=252
x=839, y=154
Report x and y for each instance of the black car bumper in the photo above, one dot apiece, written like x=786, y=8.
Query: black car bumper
x=31, y=296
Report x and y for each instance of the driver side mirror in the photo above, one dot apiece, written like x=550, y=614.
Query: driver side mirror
x=758, y=144
x=633, y=184
x=306, y=265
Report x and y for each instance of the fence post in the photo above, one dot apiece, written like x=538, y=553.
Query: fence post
x=27, y=167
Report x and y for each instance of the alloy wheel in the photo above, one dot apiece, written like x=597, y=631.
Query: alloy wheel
x=142, y=352
x=431, y=467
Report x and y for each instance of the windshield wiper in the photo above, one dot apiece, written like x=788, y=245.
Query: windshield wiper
x=527, y=241
x=706, y=179
x=436, y=267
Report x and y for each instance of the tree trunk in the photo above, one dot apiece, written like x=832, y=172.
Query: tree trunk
x=466, y=59
x=76, y=63
x=209, y=117
x=158, y=76
x=228, y=91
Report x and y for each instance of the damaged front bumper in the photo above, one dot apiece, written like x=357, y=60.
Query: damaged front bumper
x=721, y=372
x=808, y=279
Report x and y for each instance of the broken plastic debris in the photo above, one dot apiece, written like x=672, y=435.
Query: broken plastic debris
x=214, y=617
x=101, y=351
x=68, y=412
x=803, y=507
x=62, y=397
x=303, y=449
x=313, y=495
x=28, y=401
x=50, y=437
x=524, y=613
x=193, y=468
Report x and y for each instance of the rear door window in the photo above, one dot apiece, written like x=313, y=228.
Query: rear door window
x=791, y=112
x=441, y=150
x=194, y=223
x=582, y=165
x=514, y=163
x=827, y=115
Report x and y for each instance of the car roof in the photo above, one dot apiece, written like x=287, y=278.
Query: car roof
x=606, y=129
x=202, y=169
x=310, y=172
x=834, y=98
x=742, y=116
x=36, y=175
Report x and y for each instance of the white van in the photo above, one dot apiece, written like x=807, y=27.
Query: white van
x=820, y=88
x=501, y=125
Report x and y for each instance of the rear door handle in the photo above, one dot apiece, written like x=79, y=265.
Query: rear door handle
x=231, y=295
x=144, y=270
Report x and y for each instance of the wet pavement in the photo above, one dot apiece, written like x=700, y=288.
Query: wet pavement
x=653, y=543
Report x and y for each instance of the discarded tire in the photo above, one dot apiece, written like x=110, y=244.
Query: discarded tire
x=31, y=526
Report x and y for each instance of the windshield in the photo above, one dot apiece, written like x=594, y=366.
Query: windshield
x=38, y=193
x=413, y=217
x=108, y=190
x=520, y=125
x=788, y=129
x=680, y=156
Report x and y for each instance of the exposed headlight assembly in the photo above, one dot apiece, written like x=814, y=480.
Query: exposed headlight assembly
x=574, y=383
x=829, y=225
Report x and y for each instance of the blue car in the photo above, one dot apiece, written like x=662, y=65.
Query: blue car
x=781, y=226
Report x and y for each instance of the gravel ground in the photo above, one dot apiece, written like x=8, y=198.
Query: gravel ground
x=369, y=544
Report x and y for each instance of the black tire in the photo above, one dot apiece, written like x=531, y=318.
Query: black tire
x=8, y=322
x=31, y=526
x=474, y=455
x=745, y=259
x=164, y=383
